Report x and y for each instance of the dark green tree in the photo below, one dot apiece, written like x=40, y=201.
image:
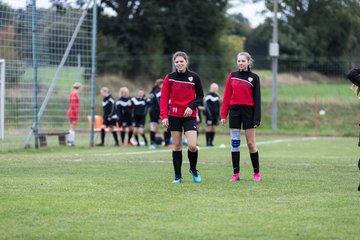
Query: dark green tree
x=148, y=32
x=239, y=25
x=324, y=32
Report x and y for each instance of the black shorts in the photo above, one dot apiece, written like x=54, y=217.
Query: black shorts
x=241, y=116
x=177, y=124
x=125, y=121
x=212, y=119
x=154, y=116
x=138, y=121
x=109, y=123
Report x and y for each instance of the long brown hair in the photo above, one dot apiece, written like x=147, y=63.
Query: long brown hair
x=181, y=54
x=158, y=82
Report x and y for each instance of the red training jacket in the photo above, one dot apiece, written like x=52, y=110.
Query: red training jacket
x=242, y=88
x=179, y=91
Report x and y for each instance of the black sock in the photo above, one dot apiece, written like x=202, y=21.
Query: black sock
x=235, y=157
x=115, y=137
x=255, y=161
x=193, y=157
x=177, y=162
x=212, y=135
x=102, y=136
x=152, y=137
x=145, y=140
x=122, y=134
x=207, y=137
x=166, y=137
x=137, y=139
x=130, y=135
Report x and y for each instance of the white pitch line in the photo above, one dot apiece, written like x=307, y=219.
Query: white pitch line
x=132, y=153
x=216, y=147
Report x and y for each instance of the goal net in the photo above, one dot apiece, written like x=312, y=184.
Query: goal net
x=62, y=52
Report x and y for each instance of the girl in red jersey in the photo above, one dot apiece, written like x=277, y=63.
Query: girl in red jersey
x=181, y=94
x=73, y=112
x=242, y=102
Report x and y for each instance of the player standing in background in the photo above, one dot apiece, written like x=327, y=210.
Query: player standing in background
x=109, y=116
x=354, y=77
x=124, y=110
x=181, y=94
x=201, y=108
x=73, y=112
x=155, y=111
x=243, y=104
x=212, y=113
x=140, y=104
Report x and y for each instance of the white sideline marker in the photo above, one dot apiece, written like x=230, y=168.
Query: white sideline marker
x=216, y=147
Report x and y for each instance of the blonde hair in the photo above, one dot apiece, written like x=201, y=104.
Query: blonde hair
x=123, y=90
x=105, y=89
x=214, y=87
x=77, y=85
x=248, y=57
x=181, y=54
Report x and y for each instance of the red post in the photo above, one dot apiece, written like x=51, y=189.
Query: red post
x=316, y=118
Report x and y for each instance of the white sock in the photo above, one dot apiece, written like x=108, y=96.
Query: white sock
x=71, y=136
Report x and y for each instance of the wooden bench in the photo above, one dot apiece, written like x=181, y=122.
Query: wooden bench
x=61, y=137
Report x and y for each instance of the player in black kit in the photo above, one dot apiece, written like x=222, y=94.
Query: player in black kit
x=140, y=106
x=124, y=112
x=109, y=116
x=212, y=113
x=154, y=111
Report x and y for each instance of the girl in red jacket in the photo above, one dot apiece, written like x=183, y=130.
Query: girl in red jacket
x=73, y=112
x=242, y=103
x=181, y=94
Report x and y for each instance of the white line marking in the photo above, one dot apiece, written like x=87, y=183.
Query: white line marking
x=216, y=147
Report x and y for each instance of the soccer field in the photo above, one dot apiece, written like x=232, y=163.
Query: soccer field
x=308, y=191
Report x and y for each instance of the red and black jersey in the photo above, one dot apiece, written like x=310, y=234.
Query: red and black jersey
x=354, y=76
x=179, y=91
x=242, y=88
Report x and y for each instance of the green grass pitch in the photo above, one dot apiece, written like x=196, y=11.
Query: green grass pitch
x=308, y=191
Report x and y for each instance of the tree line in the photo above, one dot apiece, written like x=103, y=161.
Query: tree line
x=138, y=37
x=320, y=35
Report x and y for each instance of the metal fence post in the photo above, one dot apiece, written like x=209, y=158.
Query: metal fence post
x=35, y=66
x=274, y=53
x=93, y=73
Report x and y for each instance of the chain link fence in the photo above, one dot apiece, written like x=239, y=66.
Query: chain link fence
x=300, y=80
x=54, y=29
